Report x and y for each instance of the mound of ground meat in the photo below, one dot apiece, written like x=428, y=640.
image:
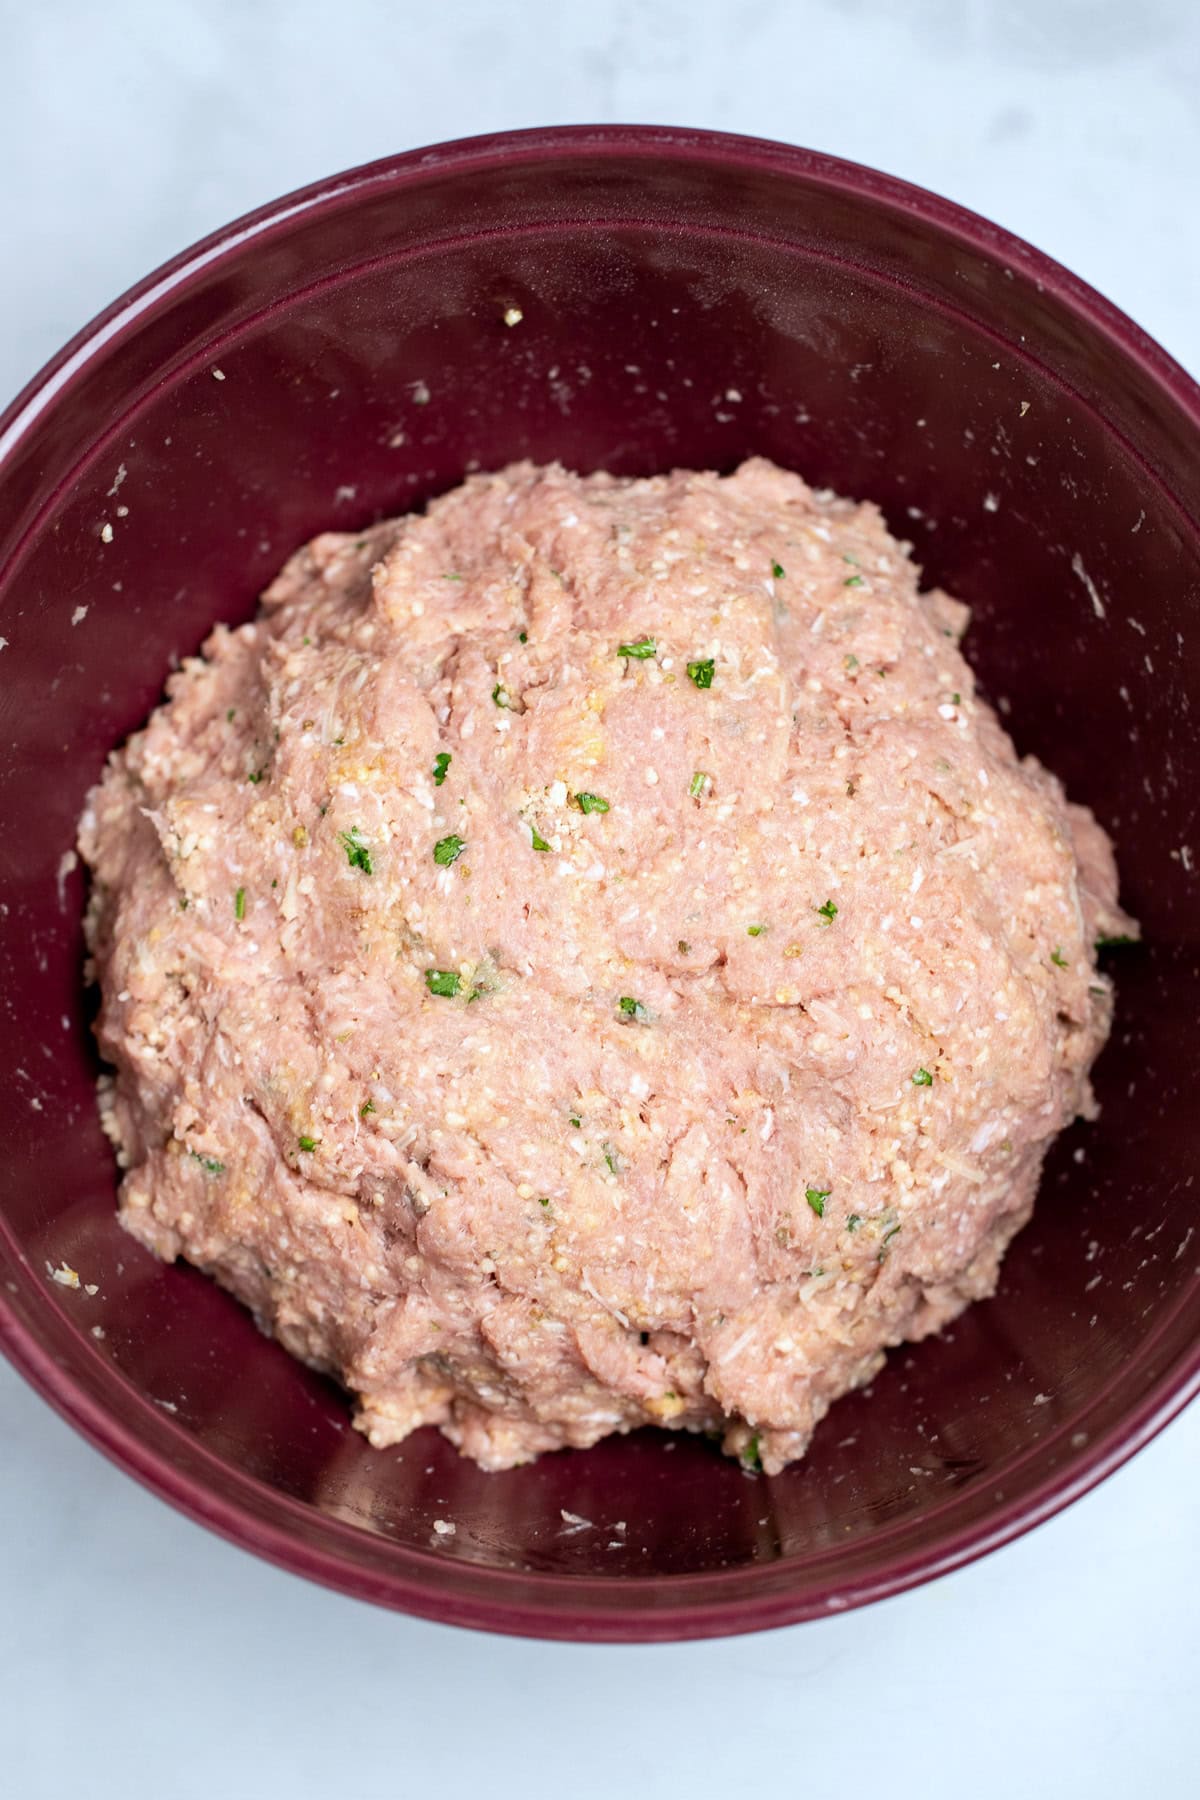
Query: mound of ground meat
x=584, y=957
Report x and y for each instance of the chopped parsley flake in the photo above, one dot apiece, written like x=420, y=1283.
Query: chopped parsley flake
x=853, y=581
x=632, y=1009
x=543, y=1200
x=1109, y=943
x=851, y=664
x=448, y=850
x=816, y=1198
x=502, y=697
x=699, y=784
x=642, y=648
x=209, y=1164
x=229, y=716
x=522, y=637
x=956, y=699
x=368, y=1106
x=358, y=853
x=239, y=904
x=591, y=803
x=441, y=763
x=308, y=1144
x=610, y=1157
x=574, y=1120
x=1057, y=957
x=451, y=577
x=886, y=1239
x=777, y=571
x=922, y=1078
x=828, y=912
x=749, y=1454
x=755, y=930
x=255, y=776
x=853, y=1221
x=536, y=839
x=445, y=982
x=701, y=673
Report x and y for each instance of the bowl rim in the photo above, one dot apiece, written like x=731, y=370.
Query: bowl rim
x=525, y=1603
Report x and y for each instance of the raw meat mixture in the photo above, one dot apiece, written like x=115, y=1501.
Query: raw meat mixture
x=585, y=957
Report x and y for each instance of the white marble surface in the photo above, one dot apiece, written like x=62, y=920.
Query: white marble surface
x=140, y=1656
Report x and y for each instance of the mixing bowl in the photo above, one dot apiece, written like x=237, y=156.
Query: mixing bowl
x=626, y=299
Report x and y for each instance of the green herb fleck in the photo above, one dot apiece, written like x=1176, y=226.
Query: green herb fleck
x=683, y=947
x=853, y=1221
x=642, y=648
x=368, y=1106
x=591, y=803
x=701, y=673
x=749, y=1453
x=1057, y=957
x=632, y=1009
x=209, y=1164
x=183, y=902
x=255, y=776
x=230, y=715
x=543, y=1199
x=448, y=850
x=308, y=1144
x=777, y=571
x=239, y=904
x=956, y=699
x=828, y=912
x=853, y=581
x=502, y=697
x=360, y=544
x=755, y=930
x=1110, y=943
x=445, y=982
x=306, y=640
x=886, y=1239
x=851, y=664
x=522, y=637
x=536, y=839
x=451, y=577
x=816, y=1198
x=610, y=1157
x=699, y=784
x=441, y=763
x=575, y=1120
x=358, y=853
x=922, y=1078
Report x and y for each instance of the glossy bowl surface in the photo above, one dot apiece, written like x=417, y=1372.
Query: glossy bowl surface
x=686, y=299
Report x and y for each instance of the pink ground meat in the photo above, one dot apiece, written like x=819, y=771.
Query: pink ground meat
x=585, y=957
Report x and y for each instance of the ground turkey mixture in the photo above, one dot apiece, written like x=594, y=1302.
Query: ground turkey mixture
x=585, y=957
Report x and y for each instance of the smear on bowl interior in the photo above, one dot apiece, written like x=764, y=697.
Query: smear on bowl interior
x=585, y=957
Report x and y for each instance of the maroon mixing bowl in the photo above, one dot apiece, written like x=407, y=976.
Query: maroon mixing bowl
x=685, y=299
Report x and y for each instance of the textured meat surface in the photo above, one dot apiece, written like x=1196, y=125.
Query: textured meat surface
x=585, y=957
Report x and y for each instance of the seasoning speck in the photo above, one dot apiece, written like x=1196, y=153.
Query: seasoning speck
x=444, y=982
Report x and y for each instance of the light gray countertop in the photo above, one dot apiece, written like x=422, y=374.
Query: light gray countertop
x=138, y=1654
